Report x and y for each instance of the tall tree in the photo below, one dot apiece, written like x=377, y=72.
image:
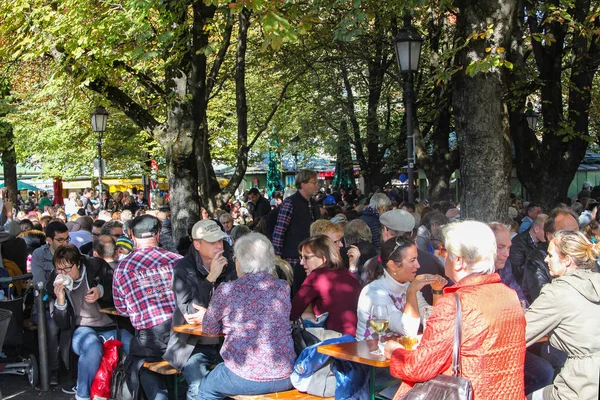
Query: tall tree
x=556, y=52
x=479, y=109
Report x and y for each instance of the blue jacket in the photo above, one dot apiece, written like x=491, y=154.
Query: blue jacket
x=371, y=217
x=352, y=381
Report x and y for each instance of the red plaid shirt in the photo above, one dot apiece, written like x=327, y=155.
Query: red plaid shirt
x=142, y=286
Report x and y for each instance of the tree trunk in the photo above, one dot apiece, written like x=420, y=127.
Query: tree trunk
x=546, y=167
x=9, y=160
x=481, y=115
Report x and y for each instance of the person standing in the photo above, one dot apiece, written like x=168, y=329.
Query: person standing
x=142, y=289
x=296, y=214
x=261, y=205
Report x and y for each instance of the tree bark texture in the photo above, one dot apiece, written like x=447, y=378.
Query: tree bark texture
x=481, y=115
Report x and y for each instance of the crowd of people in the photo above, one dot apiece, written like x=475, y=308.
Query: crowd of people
x=327, y=257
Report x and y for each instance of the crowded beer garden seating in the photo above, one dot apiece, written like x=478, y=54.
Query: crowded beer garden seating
x=327, y=294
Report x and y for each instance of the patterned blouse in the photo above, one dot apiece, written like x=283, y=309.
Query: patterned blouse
x=254, y=314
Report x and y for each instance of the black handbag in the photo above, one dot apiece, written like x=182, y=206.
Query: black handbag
x=446, y=387
x=302, y=338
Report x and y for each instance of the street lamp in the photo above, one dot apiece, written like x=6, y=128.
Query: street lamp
x=99, y=118
x=531, y=116
x=294, y=147
x=408, y=51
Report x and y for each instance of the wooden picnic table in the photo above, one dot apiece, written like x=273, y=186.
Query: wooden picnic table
x=113, y=311
x=360, y=352
x=194, y=329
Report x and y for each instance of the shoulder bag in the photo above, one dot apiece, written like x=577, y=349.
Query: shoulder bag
x=446, y=387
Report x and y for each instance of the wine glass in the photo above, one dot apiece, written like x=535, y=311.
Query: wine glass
x=379, y=321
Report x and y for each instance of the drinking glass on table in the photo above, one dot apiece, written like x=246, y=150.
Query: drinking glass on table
x=379, y=321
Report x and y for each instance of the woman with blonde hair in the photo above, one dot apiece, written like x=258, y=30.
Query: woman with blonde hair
x=567, y=311
x=328, y=287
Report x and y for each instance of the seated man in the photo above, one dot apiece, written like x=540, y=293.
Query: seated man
x=77, y=285
x=142, y=289
x=194, y=280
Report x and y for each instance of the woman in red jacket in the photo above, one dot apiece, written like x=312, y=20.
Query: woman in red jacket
x=493, y=325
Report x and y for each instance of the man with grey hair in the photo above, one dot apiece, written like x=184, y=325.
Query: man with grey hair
x=113, y=229
x=195, y=278
x=586, y=191
x=296, y=213
x=379, y=204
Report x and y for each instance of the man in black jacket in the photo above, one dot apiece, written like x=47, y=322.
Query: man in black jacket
x=79, y=284
x=195, y=278
x=296, y=213
x=261, y=205
x=536, y=272
x=523, y=243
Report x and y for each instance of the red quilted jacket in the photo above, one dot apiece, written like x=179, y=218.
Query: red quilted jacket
x=493, y=341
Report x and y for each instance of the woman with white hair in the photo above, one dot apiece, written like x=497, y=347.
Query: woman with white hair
x=493, y=325
x=253, y=312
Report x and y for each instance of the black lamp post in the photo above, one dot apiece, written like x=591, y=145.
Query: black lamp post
x=294, y=147
x=531, y=116
x=99, y=118
x=408, y=51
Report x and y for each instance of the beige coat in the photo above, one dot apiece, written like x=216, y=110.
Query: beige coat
x=568, y=310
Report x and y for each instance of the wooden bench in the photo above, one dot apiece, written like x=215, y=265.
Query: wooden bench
x=290, y=394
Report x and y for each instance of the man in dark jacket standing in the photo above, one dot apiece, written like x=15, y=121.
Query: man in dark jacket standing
x=195, y=278
x=296, y=213
x=261, y=205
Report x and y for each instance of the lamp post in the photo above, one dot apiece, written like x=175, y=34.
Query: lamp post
x=531, y=116
x=294, y=146
x=408, y=51
x=99, y=118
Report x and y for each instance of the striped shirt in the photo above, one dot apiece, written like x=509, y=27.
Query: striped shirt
x=142, y=286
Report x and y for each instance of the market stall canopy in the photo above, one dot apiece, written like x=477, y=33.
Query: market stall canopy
x=23, y=186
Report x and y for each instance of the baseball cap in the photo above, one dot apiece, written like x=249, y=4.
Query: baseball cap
x=208, y=230
x=145, y=226
x=398, y=220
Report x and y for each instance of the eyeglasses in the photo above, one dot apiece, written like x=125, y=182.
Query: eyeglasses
x=64, y=270
x=63, y=240
x=307, y=257
x=442, y=250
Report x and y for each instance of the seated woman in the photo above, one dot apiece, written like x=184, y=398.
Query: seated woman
x=493, y=325
x=394, y=283
x=253, y=312
x=328, y=286
x=77, y=307
x=567, y=310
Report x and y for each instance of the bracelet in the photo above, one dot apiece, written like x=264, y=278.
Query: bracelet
x=437, y=291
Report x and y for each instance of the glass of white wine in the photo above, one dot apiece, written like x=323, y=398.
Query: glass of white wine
x=379, y=321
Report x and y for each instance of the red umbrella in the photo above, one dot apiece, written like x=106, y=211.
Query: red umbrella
x=58, y=189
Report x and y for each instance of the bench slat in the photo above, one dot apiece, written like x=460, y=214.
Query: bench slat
x=161, y=367
x=290, y=394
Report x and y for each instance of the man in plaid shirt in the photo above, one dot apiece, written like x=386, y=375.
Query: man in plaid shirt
x=296, y=214
x=142, y=289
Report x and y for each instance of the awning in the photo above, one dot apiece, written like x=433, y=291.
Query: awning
x=77, y=184
x=23, y=186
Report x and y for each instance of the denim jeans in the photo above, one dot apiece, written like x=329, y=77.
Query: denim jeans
x=197, y=367
x=87, y=344
x=153, y=385
x=539, y=373
x=221, y=382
